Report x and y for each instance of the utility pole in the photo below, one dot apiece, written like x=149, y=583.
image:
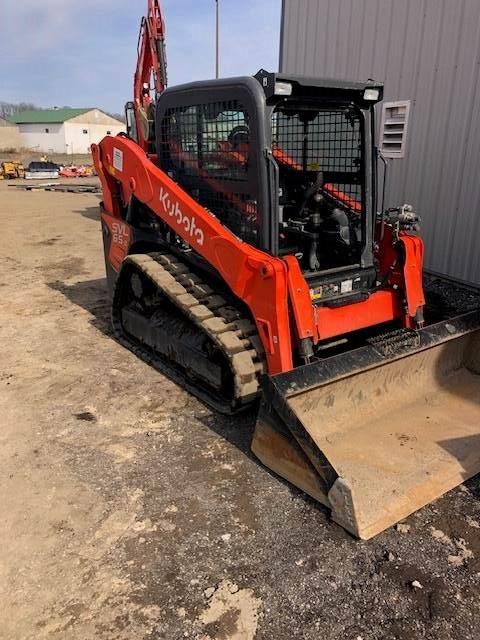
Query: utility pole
x=217, y=40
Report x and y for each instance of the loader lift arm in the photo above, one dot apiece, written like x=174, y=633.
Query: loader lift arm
x=271, y=287
x=257, y=278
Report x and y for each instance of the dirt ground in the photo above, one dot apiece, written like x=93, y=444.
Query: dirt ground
x=130, y=511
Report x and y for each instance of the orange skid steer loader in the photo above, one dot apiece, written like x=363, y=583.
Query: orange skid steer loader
x=246, y=258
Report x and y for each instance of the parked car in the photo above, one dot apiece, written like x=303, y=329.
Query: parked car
x=42, y=171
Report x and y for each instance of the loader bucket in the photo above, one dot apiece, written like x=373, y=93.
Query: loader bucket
x=379, y=431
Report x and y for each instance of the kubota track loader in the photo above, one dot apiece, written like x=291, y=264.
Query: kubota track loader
x=247, y=259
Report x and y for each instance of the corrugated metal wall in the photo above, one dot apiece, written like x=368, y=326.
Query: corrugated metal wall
x=427, y=51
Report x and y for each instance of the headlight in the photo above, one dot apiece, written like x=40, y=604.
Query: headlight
x=371, y=94
x=283, y=89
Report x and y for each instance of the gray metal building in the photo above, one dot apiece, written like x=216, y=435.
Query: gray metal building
x=427, y=52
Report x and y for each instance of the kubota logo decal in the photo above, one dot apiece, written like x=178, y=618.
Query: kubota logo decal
x=187, y=222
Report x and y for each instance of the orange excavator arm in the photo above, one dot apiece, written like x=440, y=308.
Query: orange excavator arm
x=151, y=65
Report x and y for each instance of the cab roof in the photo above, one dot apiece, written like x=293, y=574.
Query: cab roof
x=303, y=85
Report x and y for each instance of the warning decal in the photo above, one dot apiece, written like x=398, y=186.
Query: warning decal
x=117, y=159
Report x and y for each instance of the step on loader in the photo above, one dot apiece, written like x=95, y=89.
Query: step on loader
x=249, y=258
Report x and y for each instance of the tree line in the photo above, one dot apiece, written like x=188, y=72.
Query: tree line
x=7, y=109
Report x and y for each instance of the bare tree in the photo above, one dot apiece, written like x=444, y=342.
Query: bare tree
x=8, y=109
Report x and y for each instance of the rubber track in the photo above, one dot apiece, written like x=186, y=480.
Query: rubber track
x=235, y=335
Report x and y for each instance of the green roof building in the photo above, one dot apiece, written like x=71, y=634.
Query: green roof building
x=46, y=116
x=66, y=131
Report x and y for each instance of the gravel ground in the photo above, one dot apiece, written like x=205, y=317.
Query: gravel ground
x=131, y=511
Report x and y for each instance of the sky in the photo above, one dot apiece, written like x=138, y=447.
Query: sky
x=83, y=53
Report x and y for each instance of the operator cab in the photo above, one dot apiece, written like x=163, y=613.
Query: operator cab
x=287, y=163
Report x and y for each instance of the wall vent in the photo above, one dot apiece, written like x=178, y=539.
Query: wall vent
x=393, y=130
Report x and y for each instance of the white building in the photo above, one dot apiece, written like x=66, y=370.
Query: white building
x=69, y=131
x=9, y=136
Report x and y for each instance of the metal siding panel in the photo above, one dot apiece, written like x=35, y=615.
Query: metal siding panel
x=331, y=68
x=412, y=41
x=348, y=36
x=427, y=51
x=324, y=37
x=384, y=21
x=341, y=44
x=409, y=180
x=283, y=30
x=409, y=86
x=396, y=53
x=374, y=43
x=290, y=37
x=366, y=51
x=357, y=22
x=463, y=258
x=317, y=44
x=284, y=34
x=300, y=38
x=310, y=16
x=303, y=44
x=393, y=73
x=423, y=116
x=443, y=149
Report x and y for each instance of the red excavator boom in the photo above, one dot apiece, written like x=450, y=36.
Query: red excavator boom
x=151, y=72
